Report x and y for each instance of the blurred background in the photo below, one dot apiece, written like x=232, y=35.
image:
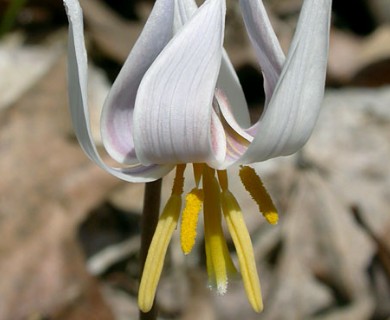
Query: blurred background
x=70, y=232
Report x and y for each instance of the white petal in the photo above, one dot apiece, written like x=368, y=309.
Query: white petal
x=184, y=10
x=230, y=85
x=227, y=78
x=218, y=141
x=290, y=117
x=237, y=139
x=268, y=51
x=117, y=117
x=172, y=116
x=77, y=83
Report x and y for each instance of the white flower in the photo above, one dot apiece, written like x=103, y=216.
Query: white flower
x=177, y=100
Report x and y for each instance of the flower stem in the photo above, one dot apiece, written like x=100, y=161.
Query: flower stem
x=149, y=221
x=10, y=15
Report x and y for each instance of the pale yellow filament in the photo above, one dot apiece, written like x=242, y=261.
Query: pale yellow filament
x=243, y=245
x=198, y=171
x=159, y=245
x=223, y=179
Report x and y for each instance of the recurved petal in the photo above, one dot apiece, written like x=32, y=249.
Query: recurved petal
x=237, y=138
x=184, y=10
x=268, y=51
x=117, y=116
x=227, y=78
x=172, y=116
x=77, y=83
x=288, y=121
x=228, y=81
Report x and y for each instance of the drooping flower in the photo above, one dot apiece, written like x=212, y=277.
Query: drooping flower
x=178, y=101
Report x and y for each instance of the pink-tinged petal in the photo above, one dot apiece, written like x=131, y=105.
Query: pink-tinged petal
x=218, y=141
x=268, y=51
x=288, y=121
x=237, y=139
x=117, y=116
x=172, y=116
x=77, y=83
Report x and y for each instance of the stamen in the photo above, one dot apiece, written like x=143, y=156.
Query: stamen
x=259, y=194
x=243, y=245
x=189, y=220
x=178, y=182
x=223, y=179
x=219, y=263
x=158, y=248
x=198, y=170
x=157, y=251
x=209, y=265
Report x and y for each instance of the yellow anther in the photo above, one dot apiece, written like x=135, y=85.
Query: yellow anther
x=178, y=182
x=272, y=217
x=157, y=251
x=223, y=179
x=219, y=263
x=189, y=220
x=243, y=245
x=256, y=189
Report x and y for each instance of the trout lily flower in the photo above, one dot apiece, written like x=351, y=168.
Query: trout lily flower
x=178, y=101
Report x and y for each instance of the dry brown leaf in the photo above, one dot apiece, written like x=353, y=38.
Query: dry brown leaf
x=350, y=55
x=48, y=186
x=21, y=66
